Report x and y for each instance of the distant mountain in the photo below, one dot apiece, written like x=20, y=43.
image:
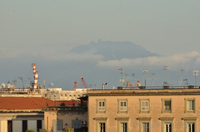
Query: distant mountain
x=111, y=50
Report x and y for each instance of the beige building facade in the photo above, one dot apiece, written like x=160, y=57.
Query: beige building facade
x=58, y=119
x=155, y=110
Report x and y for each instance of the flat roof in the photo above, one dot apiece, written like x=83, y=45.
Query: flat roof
x=143, y=92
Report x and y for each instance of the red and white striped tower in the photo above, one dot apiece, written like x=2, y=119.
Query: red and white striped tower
x=35, y=75
x=35, y=79
x=34, y=69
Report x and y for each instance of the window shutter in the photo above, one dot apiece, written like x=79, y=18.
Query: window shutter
x=101, y=106
x=123, y=106
x=145, y=105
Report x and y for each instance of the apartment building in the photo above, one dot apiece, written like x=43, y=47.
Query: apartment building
x=60, y=118
x=18, y=114
x=144, y=110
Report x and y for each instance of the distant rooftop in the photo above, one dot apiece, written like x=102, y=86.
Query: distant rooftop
x=24, y=103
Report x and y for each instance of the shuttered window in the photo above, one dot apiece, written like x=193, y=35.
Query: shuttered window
x=123, y=106
x=145, y=105
x=101, y=106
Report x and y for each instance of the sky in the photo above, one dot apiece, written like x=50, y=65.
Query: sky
x=35, y=31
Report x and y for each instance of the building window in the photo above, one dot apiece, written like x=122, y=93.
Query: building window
x=167, y=124
x=190, y=127
x=167, y=127
x=101, y=106
x=24, y=125
x=190, y=124
x=144, y=106
x=190, y=105
x=145, y=124
x=145, y=127
x=167, y=105
x=39, y=125
x=102, y=127
x=123, y=127
x=122, y=124
x=122, y=105
x=100, y=124
x=76, y=124
x=57, y=125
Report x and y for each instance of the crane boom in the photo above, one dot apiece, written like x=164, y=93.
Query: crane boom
x=83, y=82
x=75, y=84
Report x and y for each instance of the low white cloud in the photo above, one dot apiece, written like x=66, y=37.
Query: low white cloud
x=173, y=62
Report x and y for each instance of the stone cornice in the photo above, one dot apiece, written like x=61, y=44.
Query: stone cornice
x=145, y=92
x=20, y=111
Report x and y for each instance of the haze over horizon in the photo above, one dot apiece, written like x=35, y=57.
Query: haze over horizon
x=44, y=32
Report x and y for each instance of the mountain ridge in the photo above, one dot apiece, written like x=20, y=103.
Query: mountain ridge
x=114, y=50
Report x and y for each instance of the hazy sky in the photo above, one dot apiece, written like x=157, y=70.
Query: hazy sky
x=165, y=27
x=47, y=29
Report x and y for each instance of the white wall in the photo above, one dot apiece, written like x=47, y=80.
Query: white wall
x=32, y=125
x=17, y=126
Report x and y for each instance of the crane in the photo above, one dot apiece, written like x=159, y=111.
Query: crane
x=82, y=79
x=75, y=84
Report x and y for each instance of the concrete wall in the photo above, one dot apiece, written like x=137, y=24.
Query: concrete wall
x=133, y=115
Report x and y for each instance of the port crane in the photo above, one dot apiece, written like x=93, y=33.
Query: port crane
x=75, y=84
x=84, y=85
x=83, y=82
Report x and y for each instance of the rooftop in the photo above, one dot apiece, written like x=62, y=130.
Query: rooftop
x=24, y=103
x=144, y=92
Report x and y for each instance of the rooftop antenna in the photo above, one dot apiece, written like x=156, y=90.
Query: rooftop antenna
x=21, y=78
x=121, y=80
x=14, y=82
x=44, y=83
x=164, y=68
x=145, y=72
x=153, y=79
x=127, y=83
x=195, y=73
x=181, y=82
x=186, y=81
